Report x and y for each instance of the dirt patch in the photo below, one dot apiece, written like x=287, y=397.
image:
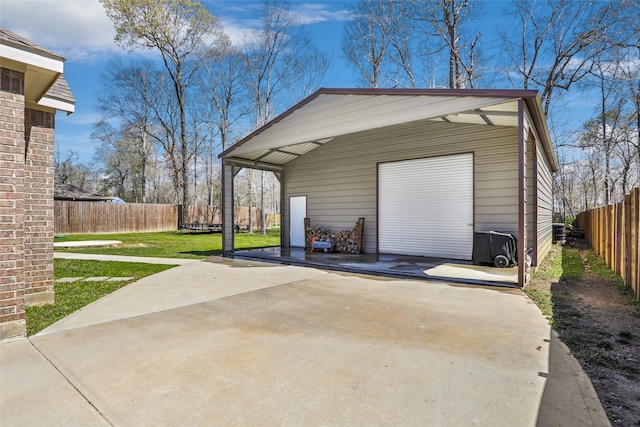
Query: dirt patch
x=600, y=323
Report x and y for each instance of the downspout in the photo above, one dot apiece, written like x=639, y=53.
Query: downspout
x=522, y=196
x=534, y=157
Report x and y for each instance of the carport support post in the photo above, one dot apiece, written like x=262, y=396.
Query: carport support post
x=522, y=196
x=228, y=172
x=280, y=176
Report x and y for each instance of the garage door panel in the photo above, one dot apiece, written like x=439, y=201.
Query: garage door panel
x=425, y=207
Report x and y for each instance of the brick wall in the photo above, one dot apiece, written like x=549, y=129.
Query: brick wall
x=38, y=219
x=12, y=205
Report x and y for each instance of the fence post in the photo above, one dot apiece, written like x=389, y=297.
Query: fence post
x=626, y=270
x=611, y=235
x=619, y=234
x=635, y=241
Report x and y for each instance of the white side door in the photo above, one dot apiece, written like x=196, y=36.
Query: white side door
x=297, y=214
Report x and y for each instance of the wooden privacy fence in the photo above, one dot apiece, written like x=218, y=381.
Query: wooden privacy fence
x=100, y=217
x=71, y=217
x=614, y=234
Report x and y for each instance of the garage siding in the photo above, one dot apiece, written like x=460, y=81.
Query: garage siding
x=530, y=193
x=545, y=204
x=340, y=177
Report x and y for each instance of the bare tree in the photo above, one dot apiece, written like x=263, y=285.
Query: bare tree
x=366, y=39
x=558, y=42
x=224, y=91
x=185, y=34
x=441, y=24
x=224, y=96
x=378, y=43
x=126, y=99
x=277, y=54
x=69, y=170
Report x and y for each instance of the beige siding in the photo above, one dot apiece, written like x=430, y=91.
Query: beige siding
x=340, y=178
x=545, y=204
x=544, y=196
x=530, y=193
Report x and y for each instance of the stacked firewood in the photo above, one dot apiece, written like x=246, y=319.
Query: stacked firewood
x=346, y=241
x=320, y=234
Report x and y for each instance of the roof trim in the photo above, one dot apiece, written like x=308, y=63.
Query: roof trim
x=11, y=39
x=19, y=49
x=59, y=96
x=540, y=121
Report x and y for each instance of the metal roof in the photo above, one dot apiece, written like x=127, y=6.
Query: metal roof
x=332, y=113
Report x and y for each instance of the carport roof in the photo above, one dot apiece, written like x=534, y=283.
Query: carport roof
x=330, y=113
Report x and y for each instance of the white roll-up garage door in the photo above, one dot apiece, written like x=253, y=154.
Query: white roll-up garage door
x=425, y=207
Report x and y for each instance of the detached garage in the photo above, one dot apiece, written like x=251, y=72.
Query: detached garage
x=426, y=168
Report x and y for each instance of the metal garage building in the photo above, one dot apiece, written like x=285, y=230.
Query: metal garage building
x=424, y=167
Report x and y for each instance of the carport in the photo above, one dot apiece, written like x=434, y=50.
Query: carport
x=426, y=168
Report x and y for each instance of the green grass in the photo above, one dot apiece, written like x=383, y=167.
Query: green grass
x=572, y=266
x=543, y=300
x=172, y=244
x=561, y=262
x=551, y=266
x=70, y=297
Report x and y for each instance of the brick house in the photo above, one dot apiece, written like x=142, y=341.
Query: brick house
x=32, y=89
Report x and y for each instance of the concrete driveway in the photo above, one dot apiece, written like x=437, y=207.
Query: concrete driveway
x=235, y=342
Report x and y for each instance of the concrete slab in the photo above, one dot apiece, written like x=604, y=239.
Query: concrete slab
x=330, y=350
x=245, y=343
x=87, y=244
x=123, y=258
x=96, y=279
x=33, y=392
x=569, y=398
x=184, y=285
x=119, y=279
x=475, y=272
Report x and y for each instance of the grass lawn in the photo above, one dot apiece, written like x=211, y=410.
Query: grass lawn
x=172, y=244
x=561, y=262
x=70, y=297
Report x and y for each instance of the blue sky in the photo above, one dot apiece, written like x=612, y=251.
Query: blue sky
x=80, y=31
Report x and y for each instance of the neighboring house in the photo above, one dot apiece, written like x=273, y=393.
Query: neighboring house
x=32, y=89
x=426, y=168
x=70, y=192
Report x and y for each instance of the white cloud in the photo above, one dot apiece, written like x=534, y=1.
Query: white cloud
x=315, y=13
x=78, y=29
x=236, y=30
x=240, y=20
